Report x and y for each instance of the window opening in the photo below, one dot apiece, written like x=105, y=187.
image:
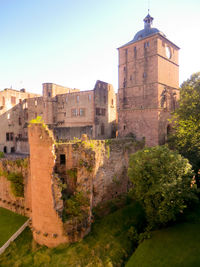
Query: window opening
x=62, y=159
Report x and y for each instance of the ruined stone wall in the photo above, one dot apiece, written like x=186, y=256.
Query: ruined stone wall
x=47, y=225
x=105, y=110
x=69, y=179
x=8, y=198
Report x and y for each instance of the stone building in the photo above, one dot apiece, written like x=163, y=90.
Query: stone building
x=148, y=85
x=68, y=112
x=10, y=97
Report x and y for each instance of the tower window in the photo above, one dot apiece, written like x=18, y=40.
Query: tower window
x=135, y=51
x=74, y=112
x=82, y=112
x=49, y=94
x=124, y=83
x=146, y=44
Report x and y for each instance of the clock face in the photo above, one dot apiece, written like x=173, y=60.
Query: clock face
x=168, y=52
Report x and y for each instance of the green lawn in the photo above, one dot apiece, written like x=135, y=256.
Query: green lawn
x=178, y=245
x=10, y=222
x=107, y=245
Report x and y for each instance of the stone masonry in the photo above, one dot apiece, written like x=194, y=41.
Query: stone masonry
x=148, y=85
x=93, y=171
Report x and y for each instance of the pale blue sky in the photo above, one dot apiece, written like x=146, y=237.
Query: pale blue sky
x=74, y=42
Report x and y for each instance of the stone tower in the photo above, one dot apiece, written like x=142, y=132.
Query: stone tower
x=148, y=84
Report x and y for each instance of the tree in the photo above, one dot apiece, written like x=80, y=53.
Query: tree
x=162, y=182
x=186, y=122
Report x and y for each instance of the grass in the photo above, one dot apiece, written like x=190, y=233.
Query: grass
x=107, y=244
x=10, y=222
x=177, y=245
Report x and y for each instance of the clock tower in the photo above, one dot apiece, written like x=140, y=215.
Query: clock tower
x=148, y=85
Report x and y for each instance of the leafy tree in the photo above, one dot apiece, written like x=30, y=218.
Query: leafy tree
x=162, y=182
x=186, y=122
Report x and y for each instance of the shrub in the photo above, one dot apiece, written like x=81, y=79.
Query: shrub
x=76, y=206
x=1, y=155
x=162, y=182
x=17, y=186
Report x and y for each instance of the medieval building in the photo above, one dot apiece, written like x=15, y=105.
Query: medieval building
x=68, y=112
x=148, y=85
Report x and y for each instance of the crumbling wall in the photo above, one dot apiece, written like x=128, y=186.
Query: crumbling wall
x=69, y=179
x=15, y=196
x=47, y=226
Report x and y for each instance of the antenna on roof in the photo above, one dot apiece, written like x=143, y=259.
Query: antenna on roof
x=148, y=6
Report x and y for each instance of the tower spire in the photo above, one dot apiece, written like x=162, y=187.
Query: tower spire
x=148, y=21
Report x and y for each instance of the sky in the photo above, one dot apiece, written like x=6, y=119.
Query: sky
x=74, y=42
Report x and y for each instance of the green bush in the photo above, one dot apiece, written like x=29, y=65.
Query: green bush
x=162, y=182
x=1, y=155
x=17, y=186
x=76, y=206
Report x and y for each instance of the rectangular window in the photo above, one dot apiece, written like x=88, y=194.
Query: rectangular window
x=82, y=112
x=49, y=94
x=36, y=103
x=98, y=112
x=62, y=159
x=77, y=98
x=103, y=111
x=74, y=112
x=9, y=136
x=89, y=97
x=146, y=44
x=20, y=121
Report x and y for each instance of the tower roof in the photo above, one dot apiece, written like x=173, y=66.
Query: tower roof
x=147, y=31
